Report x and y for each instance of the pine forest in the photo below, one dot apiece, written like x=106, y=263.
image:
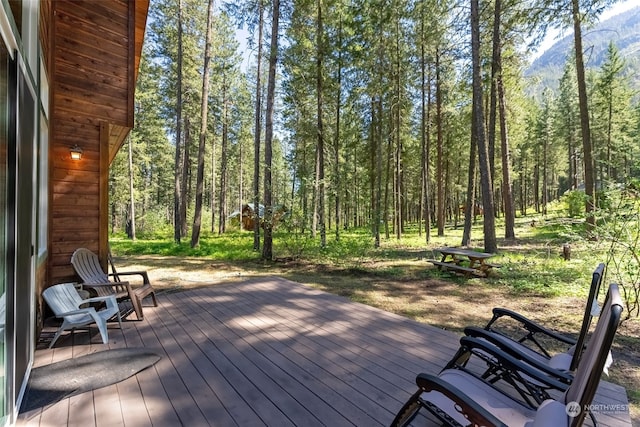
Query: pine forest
x=372, y=114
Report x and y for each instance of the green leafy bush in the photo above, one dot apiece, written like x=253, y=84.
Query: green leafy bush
x=575, y=201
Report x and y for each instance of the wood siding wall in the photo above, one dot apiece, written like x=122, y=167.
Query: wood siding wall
x=45, y=23
x=92, y=88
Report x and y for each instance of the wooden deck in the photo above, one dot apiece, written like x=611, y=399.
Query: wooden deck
x=262, y=352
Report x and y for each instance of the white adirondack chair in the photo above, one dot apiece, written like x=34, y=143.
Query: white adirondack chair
x=65, y=302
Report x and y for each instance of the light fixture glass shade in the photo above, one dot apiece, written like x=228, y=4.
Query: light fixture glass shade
x=76, y=152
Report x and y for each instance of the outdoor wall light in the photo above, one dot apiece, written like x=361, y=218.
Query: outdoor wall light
x=76, y=152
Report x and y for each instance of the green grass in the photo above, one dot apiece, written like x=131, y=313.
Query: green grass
x=532, y=268
x=234, y=246
x=530, y=265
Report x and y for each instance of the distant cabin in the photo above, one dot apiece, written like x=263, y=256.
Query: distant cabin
x=247, y=216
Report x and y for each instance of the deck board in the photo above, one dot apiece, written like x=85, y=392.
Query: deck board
x=262, y=352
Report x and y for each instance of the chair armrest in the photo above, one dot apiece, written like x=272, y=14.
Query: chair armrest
x=112, y=284
x=128, y=289
x=513, y=347
x=518, y=362
x=467, y=406
x=528, y=324
x=87, y=310
x=110, y=301
x=107, y=299
x=145, y=276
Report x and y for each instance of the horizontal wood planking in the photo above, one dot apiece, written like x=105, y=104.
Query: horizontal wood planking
x=91, y=83
x=44, y=26
x=73, y=202
x=107, y=86
x=88, y=221
x=142, y=7
x=86, y=130
x=68, y=188
x=266, y=352
x=79, y=107
x=87, y=175
x=107, y=16
x=84, y=42
x=68, y=76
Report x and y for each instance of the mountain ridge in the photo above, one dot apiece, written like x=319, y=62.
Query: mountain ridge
x=623, y=30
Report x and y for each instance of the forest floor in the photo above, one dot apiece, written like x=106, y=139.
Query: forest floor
x=443, y=302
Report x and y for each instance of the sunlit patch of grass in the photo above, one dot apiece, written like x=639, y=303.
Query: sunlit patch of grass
x=396, y=276
x=531, y=265
x=231, y=246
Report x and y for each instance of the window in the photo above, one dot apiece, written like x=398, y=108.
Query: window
x=43, y=186
x=4, y=271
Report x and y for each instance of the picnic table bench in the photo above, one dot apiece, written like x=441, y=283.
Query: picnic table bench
x=465, y=261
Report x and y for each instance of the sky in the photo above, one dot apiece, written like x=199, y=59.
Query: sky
x=551, y=38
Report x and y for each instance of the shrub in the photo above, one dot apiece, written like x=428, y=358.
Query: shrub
x=575, y=201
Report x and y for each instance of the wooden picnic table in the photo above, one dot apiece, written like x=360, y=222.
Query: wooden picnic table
x=464, y=261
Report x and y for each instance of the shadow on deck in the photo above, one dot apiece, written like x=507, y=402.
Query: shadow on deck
x=263, y=352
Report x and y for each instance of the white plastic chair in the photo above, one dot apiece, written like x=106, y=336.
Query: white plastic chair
x=65, y=302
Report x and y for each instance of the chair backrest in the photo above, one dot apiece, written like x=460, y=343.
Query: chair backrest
x=87, y=266
x=594, y=290
x=114, y=272
x=587, y=377
x=62, y=298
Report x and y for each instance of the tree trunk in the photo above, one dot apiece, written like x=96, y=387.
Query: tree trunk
x=440, y=156
x=398, y=156
x=224, y=149
x=132, y=199
x=318, y=217
x=241, y=180
x=267, y=248
x=256, y=137
x=493, y=94
x=213, y=185
x=387, y=177
x=424, y=167
x=477, y=132
x=507, y=194
x=336, y=158
x=545, y=172
x=427, y=161
x=497, y=91
x=536, y=182
x=523, y=186
x=186, y=162
x=177, y=203
x=202, y=139
x=378, y=175
x=589, y=183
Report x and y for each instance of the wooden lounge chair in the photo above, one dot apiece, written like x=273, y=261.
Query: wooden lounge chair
x=458, y=396
x=65, y=303
x=87, y=266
